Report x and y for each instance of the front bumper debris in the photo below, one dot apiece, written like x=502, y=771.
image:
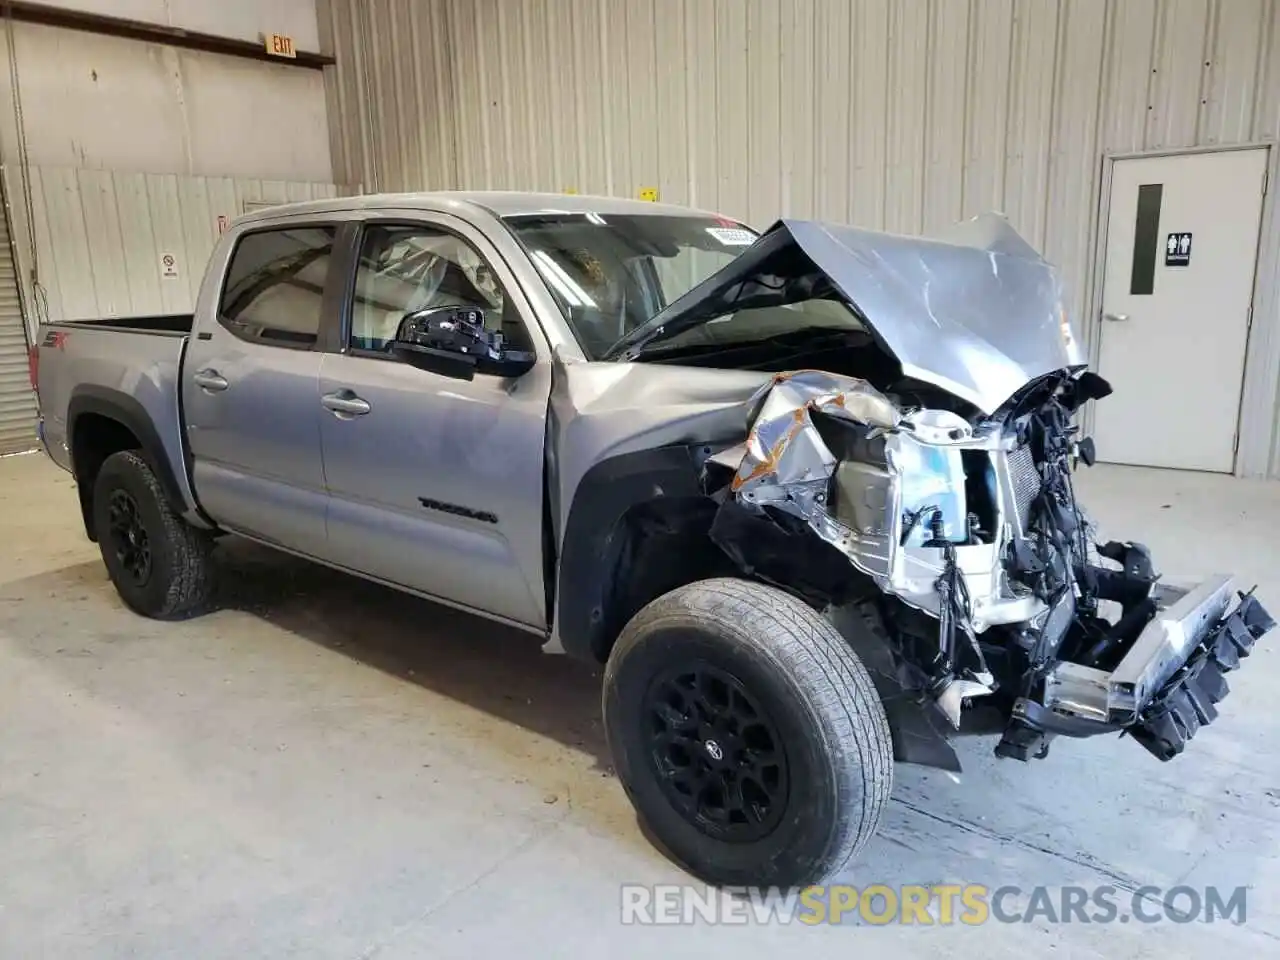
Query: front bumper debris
x=1168, y=684
x=1187, y=700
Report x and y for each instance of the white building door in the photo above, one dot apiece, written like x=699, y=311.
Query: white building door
x=1182, y=244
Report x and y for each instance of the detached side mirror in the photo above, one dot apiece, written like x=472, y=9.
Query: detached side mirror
x=453, y=342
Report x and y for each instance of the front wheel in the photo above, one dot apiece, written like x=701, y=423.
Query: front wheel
x=160, y=565
x=747, y=734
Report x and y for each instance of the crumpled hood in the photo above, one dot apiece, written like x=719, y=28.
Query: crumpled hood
x=978, y=312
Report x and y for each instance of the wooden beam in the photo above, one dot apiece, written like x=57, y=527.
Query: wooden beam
x=107, y=26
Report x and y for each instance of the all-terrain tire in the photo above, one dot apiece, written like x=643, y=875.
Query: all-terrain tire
x=808, y=687
x=178, y=580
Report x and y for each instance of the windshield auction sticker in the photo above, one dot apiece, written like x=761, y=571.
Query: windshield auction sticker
x=732, y=236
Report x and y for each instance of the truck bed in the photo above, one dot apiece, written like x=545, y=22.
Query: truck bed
x=126, y=366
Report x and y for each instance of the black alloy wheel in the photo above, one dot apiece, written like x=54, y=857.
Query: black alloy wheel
x=129, y=537
x=747, y=734
x=716, y=753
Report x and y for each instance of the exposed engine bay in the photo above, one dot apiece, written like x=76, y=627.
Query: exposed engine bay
x=1000, y=612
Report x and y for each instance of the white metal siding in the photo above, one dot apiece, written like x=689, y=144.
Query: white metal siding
x=244, y=19
x=115, y=104
x=100, y=237
x=17, y=402
x=897, y=114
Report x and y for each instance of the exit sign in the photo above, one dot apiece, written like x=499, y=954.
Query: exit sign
x=278, y=45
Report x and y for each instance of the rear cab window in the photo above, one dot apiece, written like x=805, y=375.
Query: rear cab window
x=274, y=286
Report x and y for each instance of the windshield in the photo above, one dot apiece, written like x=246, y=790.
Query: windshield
x=612, y=273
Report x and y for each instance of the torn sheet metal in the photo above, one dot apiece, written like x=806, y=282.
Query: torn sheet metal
x=784, y=448
x=787, y=466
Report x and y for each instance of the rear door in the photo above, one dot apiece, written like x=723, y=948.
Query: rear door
x=436, y=484
x=251, y=396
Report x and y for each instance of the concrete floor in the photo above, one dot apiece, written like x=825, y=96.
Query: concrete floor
x=325, y=768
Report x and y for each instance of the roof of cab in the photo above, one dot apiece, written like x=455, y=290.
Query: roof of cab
x=501, y=204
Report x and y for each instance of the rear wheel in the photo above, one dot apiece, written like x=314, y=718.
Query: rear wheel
x=747, y=734
x=159, y=564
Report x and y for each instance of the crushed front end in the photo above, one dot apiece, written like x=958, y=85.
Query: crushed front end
x=974, y=567
x=909, y=465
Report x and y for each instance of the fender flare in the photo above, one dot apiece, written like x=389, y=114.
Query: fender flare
x=129, y=413
x=591, y=545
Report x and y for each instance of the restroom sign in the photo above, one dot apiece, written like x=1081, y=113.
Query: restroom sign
x=1177, y=250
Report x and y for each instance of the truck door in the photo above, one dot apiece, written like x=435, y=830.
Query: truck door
x=251, y=396
x=436, y=484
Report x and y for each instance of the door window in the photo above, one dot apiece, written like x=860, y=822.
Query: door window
x=404, y=269
x=275, y=286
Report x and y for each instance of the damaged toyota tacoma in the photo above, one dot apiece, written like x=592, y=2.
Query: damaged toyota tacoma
x=807, y=495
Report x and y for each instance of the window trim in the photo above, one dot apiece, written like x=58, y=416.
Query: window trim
x=347, y=310
x=331, y=280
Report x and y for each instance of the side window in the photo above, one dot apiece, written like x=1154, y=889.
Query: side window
x=404, y=269
x=275, y=284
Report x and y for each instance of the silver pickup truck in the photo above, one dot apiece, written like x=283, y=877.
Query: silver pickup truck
x=807, y=494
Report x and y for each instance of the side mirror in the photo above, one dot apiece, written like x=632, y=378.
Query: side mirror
x=453, y=342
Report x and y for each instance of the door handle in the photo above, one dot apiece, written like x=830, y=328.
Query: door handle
x=210, y=380
x=1115, y=317
x=344, y=404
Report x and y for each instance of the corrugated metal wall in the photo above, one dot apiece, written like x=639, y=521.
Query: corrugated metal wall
x=895, y=114
x=111, y=103
x=17, y=402
x=101, y=238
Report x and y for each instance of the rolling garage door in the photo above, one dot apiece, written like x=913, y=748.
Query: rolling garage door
x=17, y=403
